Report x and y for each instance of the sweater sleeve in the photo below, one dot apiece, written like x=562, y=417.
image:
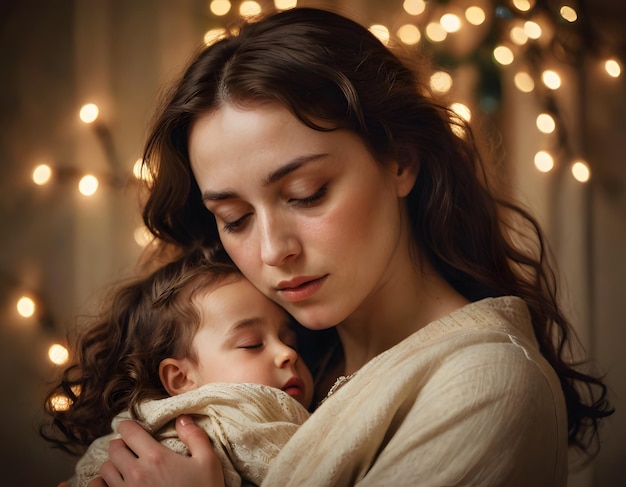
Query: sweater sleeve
x=487, y=416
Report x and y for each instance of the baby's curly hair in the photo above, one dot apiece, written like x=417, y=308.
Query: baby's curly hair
x=117, y=353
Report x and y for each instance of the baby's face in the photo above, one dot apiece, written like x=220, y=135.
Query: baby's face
x=246, y=338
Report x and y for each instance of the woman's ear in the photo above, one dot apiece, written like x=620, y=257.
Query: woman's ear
x=405, y=168
x=176, y=376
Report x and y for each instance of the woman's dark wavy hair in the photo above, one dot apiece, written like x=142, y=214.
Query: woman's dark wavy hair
x=116, y=363
x=330, y=71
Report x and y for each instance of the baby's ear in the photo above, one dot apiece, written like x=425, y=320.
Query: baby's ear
x=176, y=376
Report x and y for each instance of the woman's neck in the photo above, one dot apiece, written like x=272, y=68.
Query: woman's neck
x=405, y=304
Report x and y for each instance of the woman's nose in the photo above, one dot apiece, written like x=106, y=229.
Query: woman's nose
x=277, y=239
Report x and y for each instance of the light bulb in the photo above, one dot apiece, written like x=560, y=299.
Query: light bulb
x=220, y=7
x=285, y=4
x=551, y=79
x=249, y=8
x=568, y=13
x=26, y=307
x=414, y=7
x=544, y=162
x=88, y=185
x=524, y=82
x=522, y=5
x=450, y=23
x=580, y=171
x=42, y=174
x=532, y=29
x=89, y=113
x=58, y=354
x=545, y=123
x=409, y=34
x=435, y=32
x=503, y=55
x=462, y=111
x=441, y=82
x=381, y=32
x=475, y=15
x=613, y=68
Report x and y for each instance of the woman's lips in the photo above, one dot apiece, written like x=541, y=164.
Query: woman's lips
x=299, y=289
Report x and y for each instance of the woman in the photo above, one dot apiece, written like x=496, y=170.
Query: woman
x=337, y=185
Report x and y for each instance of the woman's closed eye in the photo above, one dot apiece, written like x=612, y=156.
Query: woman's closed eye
x=230, y=227
x=312, y=199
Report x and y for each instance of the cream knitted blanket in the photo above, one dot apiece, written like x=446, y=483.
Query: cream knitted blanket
x=248, y=424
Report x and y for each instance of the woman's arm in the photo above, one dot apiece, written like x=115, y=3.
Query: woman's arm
x=138, y=459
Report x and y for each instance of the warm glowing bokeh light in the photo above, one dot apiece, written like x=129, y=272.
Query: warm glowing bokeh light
x=42, y=174
x=58, y=354
x=475, y=15
x=462, y=111
x=435, y=32
x=142, y=236
x=613, y=68
x=26, y=307
x=568, y=13
x=220, y=7
x=381, y=32
x=441, y=82
x=524, y=82
x=213, y=35
x=503, y=55
x=140, y=171
x=518, y=35
x=551, y=79
x=544, y=162
x=414, y=7
x=249, y=8
x=60, y=402
x=545, y=123
x=532, y=29
x=580, y=171
x=409, y=34
x=450, y=23
x=88, y=185
x=89, y=113
x=285, y=4
x=522, y=5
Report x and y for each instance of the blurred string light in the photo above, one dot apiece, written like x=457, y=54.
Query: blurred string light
x=58, y=354
x=42, y=174
x=285, y=4
x=544, y=161
x=475, y=15
x=581, y=171
x=409, y=34
x=220, y=7
x=546, y=123
x=249, y=8
x=26, y=306
x=381, y=32
x=414, y=7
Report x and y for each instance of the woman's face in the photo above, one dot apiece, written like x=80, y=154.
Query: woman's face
x=309, y=217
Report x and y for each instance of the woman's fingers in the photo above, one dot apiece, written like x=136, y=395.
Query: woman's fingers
x=138, y=459
x=200, y=448
x=97, y=482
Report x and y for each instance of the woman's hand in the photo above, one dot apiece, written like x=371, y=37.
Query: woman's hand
x=138, y=459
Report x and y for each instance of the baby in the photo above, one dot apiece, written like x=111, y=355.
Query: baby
x=194, y=337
